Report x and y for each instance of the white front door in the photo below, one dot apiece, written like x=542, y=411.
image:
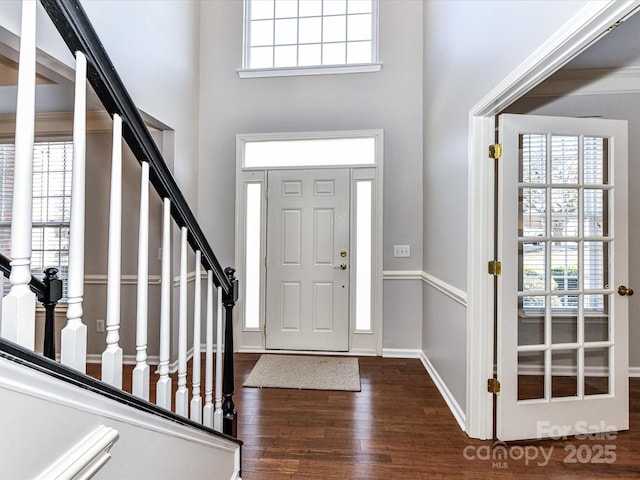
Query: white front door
x=562, y=297
x=308, y=256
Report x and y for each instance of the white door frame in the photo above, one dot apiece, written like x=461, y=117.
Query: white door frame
x=586, y=27
x=360, y=342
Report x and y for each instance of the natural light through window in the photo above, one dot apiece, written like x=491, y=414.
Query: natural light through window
x=363, y=255
x=52, y=162
x=310, y=152
x=309, y=33
x=252, y=256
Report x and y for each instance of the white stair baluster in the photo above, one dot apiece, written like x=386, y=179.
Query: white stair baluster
x=73, y=341
x=18, y=307
x=196, y=399
x=112, y=356
x=163, y=386
x=182, y=394
x=141, y=371
x=208, y=358
x=217, y=417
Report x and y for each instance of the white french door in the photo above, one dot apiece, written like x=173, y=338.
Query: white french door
x=308, y=259
x=562, y=297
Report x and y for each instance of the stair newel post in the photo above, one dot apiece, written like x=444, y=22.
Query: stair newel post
x=229, y=414
x=163, y=386
x=196, y=399
x=207, y=415
x=182, y=394
x=73, y=340
x=18, y=307
x=53, y=294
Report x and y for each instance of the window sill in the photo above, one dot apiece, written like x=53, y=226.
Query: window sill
x=316, y=70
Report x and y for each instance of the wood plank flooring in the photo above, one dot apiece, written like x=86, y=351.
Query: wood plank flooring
x=399, y=427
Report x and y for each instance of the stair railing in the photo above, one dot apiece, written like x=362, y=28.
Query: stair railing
x=48, y=291
x=94, y=65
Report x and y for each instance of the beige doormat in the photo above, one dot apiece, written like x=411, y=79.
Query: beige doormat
x=305, y=372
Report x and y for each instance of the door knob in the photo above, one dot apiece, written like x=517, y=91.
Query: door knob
x=622, y=290
x=342, y=266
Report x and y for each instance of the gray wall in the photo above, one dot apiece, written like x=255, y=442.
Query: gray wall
x=469, y=47
x=614, y=106
x=390, y=99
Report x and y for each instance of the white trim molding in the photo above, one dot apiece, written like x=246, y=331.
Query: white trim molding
x=100, y=279
x=401, y=353
x=86, y=458
x=634, y=372
x=593, y=81
x=402, y=275
x=302, y=71
x=449, y=290
x=452, y=403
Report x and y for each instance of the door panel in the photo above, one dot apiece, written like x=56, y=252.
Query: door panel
x=562, y=327
x=307, y=302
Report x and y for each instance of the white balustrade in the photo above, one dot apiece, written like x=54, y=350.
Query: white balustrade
x=208, y=357
x=112, y=356
x=196, y=399
x=18, y=307
x=182, y=394
x=73, y=341
x=163, y=386
x=217, y=417
x=141, y=371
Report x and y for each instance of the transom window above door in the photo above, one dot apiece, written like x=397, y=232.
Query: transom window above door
x=304, y=37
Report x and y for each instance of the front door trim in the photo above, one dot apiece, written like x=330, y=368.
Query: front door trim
x=360, y=342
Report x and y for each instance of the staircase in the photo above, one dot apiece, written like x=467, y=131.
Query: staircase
x=62, y=423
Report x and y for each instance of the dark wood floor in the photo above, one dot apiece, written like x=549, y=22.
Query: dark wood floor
x=399, y=427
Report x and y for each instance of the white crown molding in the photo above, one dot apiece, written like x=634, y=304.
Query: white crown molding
x=596, y=81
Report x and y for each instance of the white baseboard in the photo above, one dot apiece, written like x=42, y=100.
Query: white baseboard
x=634, y=372
x=453, y=405
x=401, y=353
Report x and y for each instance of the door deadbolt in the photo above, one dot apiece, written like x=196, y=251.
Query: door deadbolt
x=622, y=290
x=343, y=253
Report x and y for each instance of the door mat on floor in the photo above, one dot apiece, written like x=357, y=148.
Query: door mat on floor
x=305, y=372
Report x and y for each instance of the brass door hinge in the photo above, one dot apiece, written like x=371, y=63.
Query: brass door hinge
x=493, y=386
x=495, y=150
x=495, y=267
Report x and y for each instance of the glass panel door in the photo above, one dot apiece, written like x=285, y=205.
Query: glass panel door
x=563, y=242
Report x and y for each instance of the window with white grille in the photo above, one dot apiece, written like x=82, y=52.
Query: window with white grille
x=285, y=34
x=52, y=162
